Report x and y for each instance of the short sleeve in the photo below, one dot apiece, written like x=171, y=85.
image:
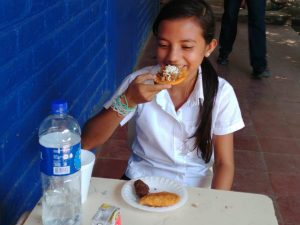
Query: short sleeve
x=227, y=117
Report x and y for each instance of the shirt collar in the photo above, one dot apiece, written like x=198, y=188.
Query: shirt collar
x=195, y=98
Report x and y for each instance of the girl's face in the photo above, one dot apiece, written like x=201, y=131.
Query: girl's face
x=180, y=42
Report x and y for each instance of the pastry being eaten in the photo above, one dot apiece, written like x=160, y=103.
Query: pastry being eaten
x=171, y=74
x=159, y=199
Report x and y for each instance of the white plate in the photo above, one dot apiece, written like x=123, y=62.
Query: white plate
x=156, y=184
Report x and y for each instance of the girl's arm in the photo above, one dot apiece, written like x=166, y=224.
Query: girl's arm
x=224, y=162
x=100, y=128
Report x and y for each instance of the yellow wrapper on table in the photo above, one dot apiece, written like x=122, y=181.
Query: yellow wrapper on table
x=107, y=215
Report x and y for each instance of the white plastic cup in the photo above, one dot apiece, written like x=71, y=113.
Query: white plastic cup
x=87, y=164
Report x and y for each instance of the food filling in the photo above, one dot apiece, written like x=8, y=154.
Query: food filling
x=169, y=73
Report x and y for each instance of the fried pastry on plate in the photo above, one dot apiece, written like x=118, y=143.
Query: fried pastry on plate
x=159, y=199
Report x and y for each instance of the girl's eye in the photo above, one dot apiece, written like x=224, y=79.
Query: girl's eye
x=161, y=45
x=187, y=47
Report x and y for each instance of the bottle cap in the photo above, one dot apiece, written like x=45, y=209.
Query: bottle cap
x=59, y=106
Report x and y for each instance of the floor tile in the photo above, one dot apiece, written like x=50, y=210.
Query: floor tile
x=267, y=117
x=251, y=90
x=252, y=181
x=116, y=149
x=298, y=142
x=292, y=118
x=277, y=211
x=289, y=95
x=243, y=104
x=246, y=117
x=292, y=107
x=294, y=130
x=249, y=160
x=287, y=91
x=248, y=143
x=290, y=209
x=263, y=104
x=282, y=163
x=279, y=145
x=272, y=129
x=109, y=168
x=248, y=130
x=120, y=133
x=285, y=184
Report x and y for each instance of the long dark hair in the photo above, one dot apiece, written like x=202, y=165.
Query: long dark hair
x=200, y=10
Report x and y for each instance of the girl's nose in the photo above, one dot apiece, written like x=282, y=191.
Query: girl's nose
x=173, y=56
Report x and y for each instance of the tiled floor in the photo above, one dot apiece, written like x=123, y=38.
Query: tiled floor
x=267, y=150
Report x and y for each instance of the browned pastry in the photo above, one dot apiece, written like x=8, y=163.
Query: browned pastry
x=160, y=199
x=141, y=189
x=171, y=74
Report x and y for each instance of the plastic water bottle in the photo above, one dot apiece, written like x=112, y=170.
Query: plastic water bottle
x=59, y=137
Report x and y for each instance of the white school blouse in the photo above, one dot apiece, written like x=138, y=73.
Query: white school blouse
x=164, y=144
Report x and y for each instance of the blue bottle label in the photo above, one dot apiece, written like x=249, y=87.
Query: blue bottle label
x=60, y=161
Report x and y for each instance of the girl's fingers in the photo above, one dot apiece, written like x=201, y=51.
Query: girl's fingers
x=143, y=89
x=159, y=87
x=143, y=78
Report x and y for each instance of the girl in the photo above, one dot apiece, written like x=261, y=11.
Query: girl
x=181, y=131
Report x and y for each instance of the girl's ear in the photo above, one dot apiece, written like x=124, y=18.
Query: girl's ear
x=211, y=47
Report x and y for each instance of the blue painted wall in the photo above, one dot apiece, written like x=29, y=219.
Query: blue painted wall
x=78, y=50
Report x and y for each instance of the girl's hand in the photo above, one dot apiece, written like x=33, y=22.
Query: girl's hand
x=141, y=90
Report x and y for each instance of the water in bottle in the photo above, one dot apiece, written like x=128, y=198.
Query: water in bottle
x=59, y=137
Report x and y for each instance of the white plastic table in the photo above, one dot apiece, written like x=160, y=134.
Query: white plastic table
x=204, y=206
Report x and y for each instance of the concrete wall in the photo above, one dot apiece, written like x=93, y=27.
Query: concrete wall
x=78, y=50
